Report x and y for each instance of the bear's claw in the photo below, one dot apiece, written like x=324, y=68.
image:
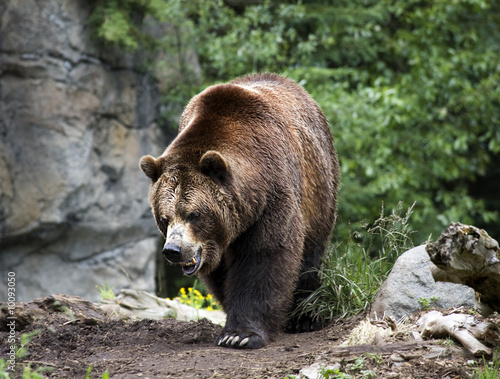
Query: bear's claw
x=240, y=341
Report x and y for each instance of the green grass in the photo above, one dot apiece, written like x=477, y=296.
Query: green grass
x=105, y=374
x=21, y=354
x=426, y=303
x=4, y=369
x=106, y=292
x=25, y=367
x=354, y=270
x=29, y=373
x=376, y=358
x=491, y=369
x=354, y=370
x=26, y=339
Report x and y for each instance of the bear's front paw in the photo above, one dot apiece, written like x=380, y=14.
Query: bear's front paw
x=240, y=340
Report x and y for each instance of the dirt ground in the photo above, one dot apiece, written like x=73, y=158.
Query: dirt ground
x=176, y=349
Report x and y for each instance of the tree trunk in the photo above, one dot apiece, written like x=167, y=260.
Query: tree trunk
x=467, y=255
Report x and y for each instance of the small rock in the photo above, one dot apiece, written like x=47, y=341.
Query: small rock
x=313, y=371
x=416, y=335
x=395, y=357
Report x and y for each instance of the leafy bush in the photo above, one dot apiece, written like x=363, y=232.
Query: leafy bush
x=410, y=88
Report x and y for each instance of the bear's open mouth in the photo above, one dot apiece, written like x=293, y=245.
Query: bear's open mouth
x=191, y=266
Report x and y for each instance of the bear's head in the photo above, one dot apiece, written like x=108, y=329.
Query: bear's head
x=192, y=208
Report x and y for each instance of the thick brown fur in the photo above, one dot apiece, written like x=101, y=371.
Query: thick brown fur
x=254, y=175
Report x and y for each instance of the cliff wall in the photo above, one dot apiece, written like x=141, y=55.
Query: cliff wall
x=75, y=118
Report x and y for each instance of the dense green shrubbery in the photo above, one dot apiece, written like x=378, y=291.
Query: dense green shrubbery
x=410, y=88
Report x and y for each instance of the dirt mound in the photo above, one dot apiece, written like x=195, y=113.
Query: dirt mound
x=178, y=349
x=124, y=349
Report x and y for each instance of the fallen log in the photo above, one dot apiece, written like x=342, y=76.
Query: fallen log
x=467, y=255
x=465, y=328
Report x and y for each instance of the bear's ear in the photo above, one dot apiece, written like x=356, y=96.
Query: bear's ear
x=213, y=164
x=150, y=167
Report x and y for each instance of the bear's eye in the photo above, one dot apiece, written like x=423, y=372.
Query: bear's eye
x=193, y=216
x=164, y=223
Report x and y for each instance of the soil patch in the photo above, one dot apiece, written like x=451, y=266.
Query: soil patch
x=177, y=349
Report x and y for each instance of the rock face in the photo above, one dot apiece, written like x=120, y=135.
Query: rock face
x=74, y=120
x=411, y=280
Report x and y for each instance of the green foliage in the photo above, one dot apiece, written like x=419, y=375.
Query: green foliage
x=377, y=358
x=4, y=369
x=38, y=373
x=117, y=22
x=491, y=369
x=410, y=88
x=26, y=338
x=106, y=292
x=426, y=303
x=356, y=369
x=358, y=364
x=105, y=374
x=264, y=36
x=20, y=354
x=368, y=374
x=328, y=373
x=353, y=272
x=414, y=107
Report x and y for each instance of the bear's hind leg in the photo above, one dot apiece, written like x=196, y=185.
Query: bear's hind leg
x=308, y=282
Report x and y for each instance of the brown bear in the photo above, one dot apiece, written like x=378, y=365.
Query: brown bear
x=245, y=197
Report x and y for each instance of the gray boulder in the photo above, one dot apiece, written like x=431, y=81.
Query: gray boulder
x=411, y=280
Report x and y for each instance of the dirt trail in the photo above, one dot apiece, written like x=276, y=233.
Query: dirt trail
x=176, y=349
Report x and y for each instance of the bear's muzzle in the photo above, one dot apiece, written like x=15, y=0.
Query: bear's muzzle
x=180, y=248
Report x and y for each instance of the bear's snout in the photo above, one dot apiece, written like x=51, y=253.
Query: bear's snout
x=180, y=247
x=172, y=252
